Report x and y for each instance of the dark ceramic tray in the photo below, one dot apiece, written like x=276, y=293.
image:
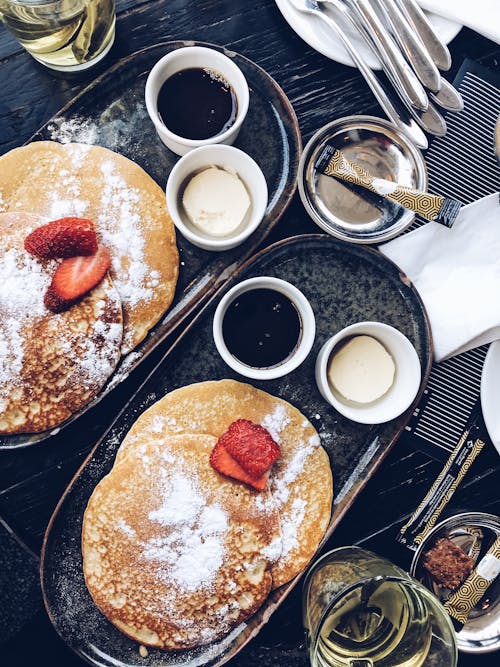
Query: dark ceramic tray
x=345, y=284
x=111, y=112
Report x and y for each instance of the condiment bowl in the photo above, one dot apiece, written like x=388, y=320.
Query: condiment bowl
x=352, y=213
x=406, y=382
x=306, y=339
x=473, y=532
x=195, y=57
x=234, y=161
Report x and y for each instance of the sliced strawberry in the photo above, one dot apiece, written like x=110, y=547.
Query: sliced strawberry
x=75, y=277
x=250, y=445
x=66, y=237
x=223, y=462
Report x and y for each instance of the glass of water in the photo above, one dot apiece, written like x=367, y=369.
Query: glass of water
x=360, y=610
x=66, y=35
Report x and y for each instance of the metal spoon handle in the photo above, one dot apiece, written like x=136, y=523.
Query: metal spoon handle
x=408, y=83
x=420, y=22
x=431, y=120
x=448, y=97
x=398, y=114
x=412, y=46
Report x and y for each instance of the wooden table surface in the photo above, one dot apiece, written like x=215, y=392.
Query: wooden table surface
x=32, y=481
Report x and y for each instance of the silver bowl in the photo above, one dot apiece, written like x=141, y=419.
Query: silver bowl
x=481, y=633
x=349, y=212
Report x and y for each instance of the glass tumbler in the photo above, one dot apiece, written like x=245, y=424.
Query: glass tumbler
x=65, y=35
x=360, y=610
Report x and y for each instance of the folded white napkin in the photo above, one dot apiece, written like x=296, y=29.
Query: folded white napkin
x=483, y=16
x=457, y=273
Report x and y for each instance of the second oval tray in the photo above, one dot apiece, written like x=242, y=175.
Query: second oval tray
x=345, y=284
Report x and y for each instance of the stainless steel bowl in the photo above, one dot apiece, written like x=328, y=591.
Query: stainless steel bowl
x=349, y=212
x=481, y=633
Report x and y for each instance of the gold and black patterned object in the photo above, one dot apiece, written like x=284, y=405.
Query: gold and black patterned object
x=463, y=600
x=333, y=162
x=427, y=513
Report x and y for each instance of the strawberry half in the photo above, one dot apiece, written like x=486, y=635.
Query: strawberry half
x=251, y=445
x=66, y=237
x=224, y=463
x=75, y=277
x=246, y=451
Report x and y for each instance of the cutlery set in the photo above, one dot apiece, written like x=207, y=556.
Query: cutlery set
x=410, y=55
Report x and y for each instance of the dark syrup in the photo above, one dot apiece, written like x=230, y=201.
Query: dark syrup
x=261, y=328
x=197, y=103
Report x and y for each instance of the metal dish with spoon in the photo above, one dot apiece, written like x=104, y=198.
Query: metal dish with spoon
x=341, y=210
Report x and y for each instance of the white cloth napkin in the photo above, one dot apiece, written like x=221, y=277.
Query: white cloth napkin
x=483, y=16
x=457, y=273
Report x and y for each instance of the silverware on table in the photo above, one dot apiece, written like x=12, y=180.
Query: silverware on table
x=416, y=17
x=394, y=110
x=412, y=46
x=429, y=120
x=438, y=89
x=447, y=97
x=410, y=89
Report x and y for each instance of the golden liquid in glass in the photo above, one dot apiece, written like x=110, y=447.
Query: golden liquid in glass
x=66, y=34
x=389, y=628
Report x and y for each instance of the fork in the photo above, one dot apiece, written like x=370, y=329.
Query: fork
x=394, y=110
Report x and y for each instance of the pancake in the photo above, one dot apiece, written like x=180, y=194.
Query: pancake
x=301, y=480
x=173, y=552
x=50, y=365
x=127, y=208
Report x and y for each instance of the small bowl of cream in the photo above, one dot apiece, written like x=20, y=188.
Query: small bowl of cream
x=217, y=196
x=370, y=372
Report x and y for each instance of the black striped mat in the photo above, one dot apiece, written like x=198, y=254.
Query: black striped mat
x=461, y=165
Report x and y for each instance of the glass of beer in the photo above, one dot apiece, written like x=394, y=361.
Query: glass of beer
x=360, y=610
x=66, y=35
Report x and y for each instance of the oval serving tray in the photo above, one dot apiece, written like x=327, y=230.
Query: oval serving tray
x=344, y=283
x=111, y=112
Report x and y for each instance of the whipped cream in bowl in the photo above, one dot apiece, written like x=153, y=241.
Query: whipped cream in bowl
x=217, y=196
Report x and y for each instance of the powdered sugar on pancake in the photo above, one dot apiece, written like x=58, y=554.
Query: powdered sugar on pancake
x=50, y=365
x=24, y=281
x=68, y=202
x=194, y=550
x=276, y=421
x=284, y=475
x=128, y=209
x=288, y=468
x=119, y=225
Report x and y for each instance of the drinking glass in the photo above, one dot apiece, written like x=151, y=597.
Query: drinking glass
x=360, y=610
x=66, y=35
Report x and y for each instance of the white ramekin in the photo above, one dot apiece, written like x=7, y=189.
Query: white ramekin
x=308, y=328
x=233, y=160
x=191, y=57
x=406, y=380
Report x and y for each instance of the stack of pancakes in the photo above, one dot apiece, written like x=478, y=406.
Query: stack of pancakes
x=175, y=554
x=53, y=364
